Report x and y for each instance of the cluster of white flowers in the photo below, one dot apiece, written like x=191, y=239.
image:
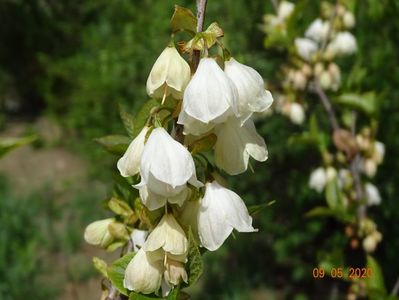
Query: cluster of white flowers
x=372, y=151
x=320, y=177
x=278, y=21
x=214, y=100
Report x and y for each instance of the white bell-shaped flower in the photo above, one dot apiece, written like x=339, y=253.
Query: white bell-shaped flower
x=252, y=95
x=285, y=9
x=138, y=237
x=209, y=95
x=318, y=179
x=169, y=75
x=221, y=211
x=166, y=165
x=154, y=201
x=168, y=236
x=194, y=126
x=129, y=163
x=318, y=30
x=97, y=233
x=373, y=196
x=144, y=273
x=344, y=43
x=306, y=48
x=175, y=272
x=236, y=143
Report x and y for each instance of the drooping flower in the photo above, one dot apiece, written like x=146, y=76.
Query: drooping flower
x=129, y=163
x=97, y=233
x=378, y=152
x=144, y=273
x=169, y=75
x=166, y=165
x=252, y=95
x=209, y=96
x=221, y=211
x=348, y=19
x=168, y=236
x=318, y=30
x=306, y=48
x=372, y=194
x=154, y=201
x=318, y=179
x=175, y=272
x=236, y=143
x=344, y=43
x=138, y=237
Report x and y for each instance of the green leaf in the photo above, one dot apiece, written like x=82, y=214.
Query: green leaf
x=334, y=196
x=143, y=114
x=183, y=19
x=128, y=121
x=203, y=144
x=194, y=263
x=174, y=294
x=116, y=272
x=100, y=266
x=253, y=209
x=375, y=284
x=8, y=144
x=115, y=144
x=365, y=102
x=120, y=207
x=320, y=211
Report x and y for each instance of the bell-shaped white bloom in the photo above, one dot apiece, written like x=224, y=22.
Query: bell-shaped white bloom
x=169, y=75
x=175, y=272
x=252, y=95
x=169, y=236
x=144, y=273
x=194, y=126
x=221, y=211
x=209, y=95
x=296, y=113
x=372, y=194
x=97, y=233
x=236, y=143
x=138, y=238
x=318, y=179
x=154, y=201
x=166, y=165
x=129, y=163
x=306, y=48
x=285, y=9
x=318, y=30
x=344, y=43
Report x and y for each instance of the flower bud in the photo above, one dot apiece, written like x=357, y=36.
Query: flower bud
x=318, y=69
x=299, y=81
x=285, y=9
x=318, y=179
x=175, y=272
x=369, y=167
x=97, y=233
x=372, y=194
x=296, y=113
x=370, y=243
x=325, y=80
x=348, y=19
x=306, y=70
x=379, y=152
x=331, y=174
x=169, y=75
x=344, y=43
x=318, y=30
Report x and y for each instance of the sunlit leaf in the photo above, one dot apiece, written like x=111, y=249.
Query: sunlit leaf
x=253, y=209
x=194, y=264
x=115, y=144
x=183, y=19
x=100, y=266
x=116, y=272
x=8, y=144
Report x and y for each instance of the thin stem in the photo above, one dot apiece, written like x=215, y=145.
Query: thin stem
x=201, y=9
x=395, y=289
x=327, y=105
x=275, y=4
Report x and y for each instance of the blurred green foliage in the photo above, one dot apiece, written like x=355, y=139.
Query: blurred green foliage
x=77, y=60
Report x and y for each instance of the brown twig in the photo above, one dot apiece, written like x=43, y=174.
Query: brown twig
x=327, y=105
x=395, y=289
x=201, y=9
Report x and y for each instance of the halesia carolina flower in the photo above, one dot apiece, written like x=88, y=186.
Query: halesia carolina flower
x=306, y=48
x=209, y=96
x=154, y=201
x=348, y=19
x=138, y=238
x=252, y=95
x=168, y=236
x=318, y=30
x=221, y=211
x=166, y=165
x=175, y=272
x=344, y=43
x=236, y=143
x=169, y=75
x=129, y=163
x=144, y=273
x=372, y=194
x=97, y=233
